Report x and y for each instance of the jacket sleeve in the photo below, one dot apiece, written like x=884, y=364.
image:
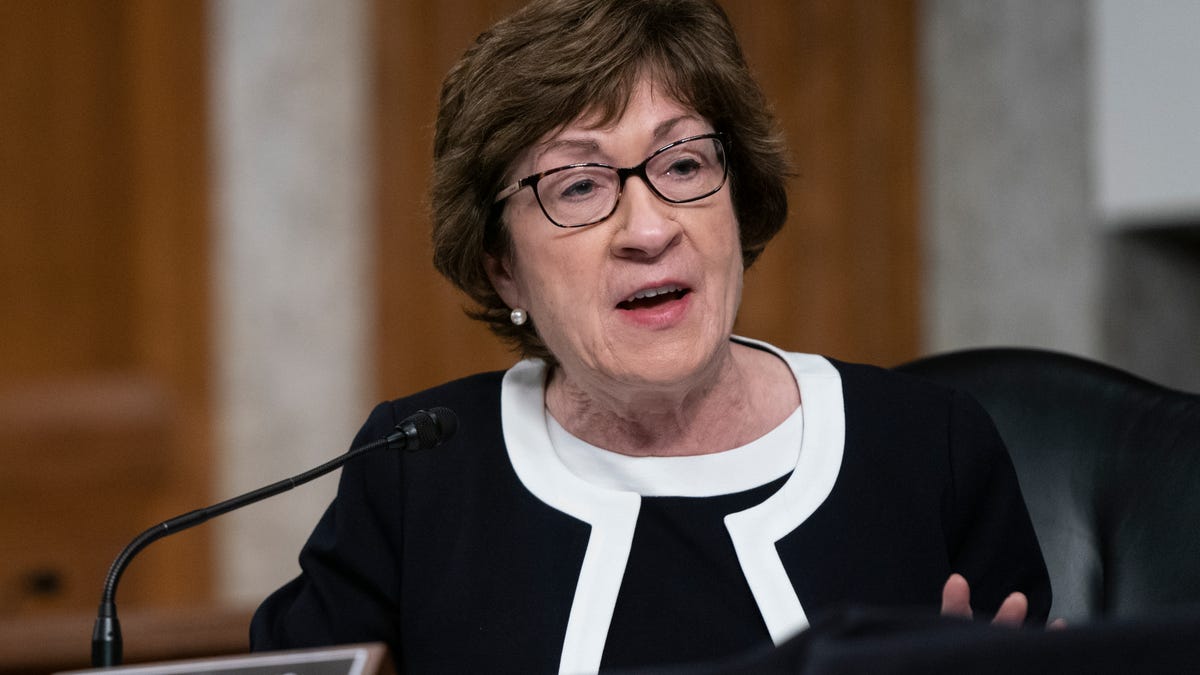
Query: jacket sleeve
x=349, y=586
x=990, y=537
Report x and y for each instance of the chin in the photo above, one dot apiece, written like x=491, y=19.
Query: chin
x=666, y=364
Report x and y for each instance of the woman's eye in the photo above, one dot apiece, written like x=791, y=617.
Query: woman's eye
x=684, y=167
x=578, y=189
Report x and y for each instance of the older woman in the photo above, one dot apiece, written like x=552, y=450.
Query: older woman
x=643, y=488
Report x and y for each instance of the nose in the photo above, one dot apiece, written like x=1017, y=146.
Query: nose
x=646, y=229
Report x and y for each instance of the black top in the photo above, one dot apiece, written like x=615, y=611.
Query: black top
x=460, y=566
x=683, y=579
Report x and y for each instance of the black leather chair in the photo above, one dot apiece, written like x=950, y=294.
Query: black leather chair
x=1109, y=465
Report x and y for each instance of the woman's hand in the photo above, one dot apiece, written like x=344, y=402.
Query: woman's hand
x=956, y=601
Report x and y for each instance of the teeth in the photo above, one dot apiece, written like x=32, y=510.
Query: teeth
x=651, y=292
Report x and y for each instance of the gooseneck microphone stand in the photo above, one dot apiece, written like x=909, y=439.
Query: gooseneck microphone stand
x=424, y=429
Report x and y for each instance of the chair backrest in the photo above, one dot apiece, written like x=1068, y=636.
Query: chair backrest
x=1109, y=465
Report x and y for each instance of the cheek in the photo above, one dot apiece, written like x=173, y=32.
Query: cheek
x=552, y=280
x=725, y=244
x=728, y=256
x=525, y=264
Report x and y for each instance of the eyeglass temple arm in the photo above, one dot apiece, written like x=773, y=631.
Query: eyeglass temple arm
x=508, y=192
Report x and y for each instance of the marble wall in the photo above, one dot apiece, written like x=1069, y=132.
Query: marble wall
x=1021, y=248
x=291, y=266
x=1012, y=253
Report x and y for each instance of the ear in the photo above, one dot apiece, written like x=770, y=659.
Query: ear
x=499, y=272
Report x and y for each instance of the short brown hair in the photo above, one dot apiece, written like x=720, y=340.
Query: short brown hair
x=554, y=60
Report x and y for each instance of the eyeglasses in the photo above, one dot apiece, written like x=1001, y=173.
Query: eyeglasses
x=576, y=195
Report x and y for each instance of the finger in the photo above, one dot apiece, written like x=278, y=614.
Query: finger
x=1012, y=611
x=956, y=597
x=1057, y=624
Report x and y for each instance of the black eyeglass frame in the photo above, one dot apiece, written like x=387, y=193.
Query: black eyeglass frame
x=622, y=176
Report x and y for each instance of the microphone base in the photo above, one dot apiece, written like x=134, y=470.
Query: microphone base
x=106, y=642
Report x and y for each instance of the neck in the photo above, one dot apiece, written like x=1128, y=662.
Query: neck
x=692, y=418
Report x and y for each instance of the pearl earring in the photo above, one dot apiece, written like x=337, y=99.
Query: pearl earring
x=518, y=317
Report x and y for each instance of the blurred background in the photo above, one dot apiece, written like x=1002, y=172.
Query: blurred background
x=214, y=253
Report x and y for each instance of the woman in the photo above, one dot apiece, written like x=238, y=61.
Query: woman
x=644, y=488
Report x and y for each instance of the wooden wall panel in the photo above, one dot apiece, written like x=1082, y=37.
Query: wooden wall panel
x=104, y=414
x=423, y=336
x=166, y=63
x=842, y=277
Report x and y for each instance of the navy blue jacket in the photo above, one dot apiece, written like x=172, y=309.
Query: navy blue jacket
x=450, y=558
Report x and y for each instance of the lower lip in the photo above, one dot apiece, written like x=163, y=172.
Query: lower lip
x=666, y=315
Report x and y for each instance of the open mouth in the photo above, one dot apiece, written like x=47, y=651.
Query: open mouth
x=653, y=297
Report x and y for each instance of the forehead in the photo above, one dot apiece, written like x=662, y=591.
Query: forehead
x=649, y=104
x=650, y=118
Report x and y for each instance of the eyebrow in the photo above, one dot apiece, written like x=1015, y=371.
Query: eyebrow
x=589, y=145
x=666, y=126
x=584, y=145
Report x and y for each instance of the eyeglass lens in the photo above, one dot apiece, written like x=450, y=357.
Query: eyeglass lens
x=682, y=172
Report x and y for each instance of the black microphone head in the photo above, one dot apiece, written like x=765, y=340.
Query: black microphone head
x=424, y=429
x=424, y=432
x=446, y=421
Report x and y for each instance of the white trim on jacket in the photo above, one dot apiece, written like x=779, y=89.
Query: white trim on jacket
x=612, y=514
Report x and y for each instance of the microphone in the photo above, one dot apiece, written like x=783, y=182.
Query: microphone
x=422, y=430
